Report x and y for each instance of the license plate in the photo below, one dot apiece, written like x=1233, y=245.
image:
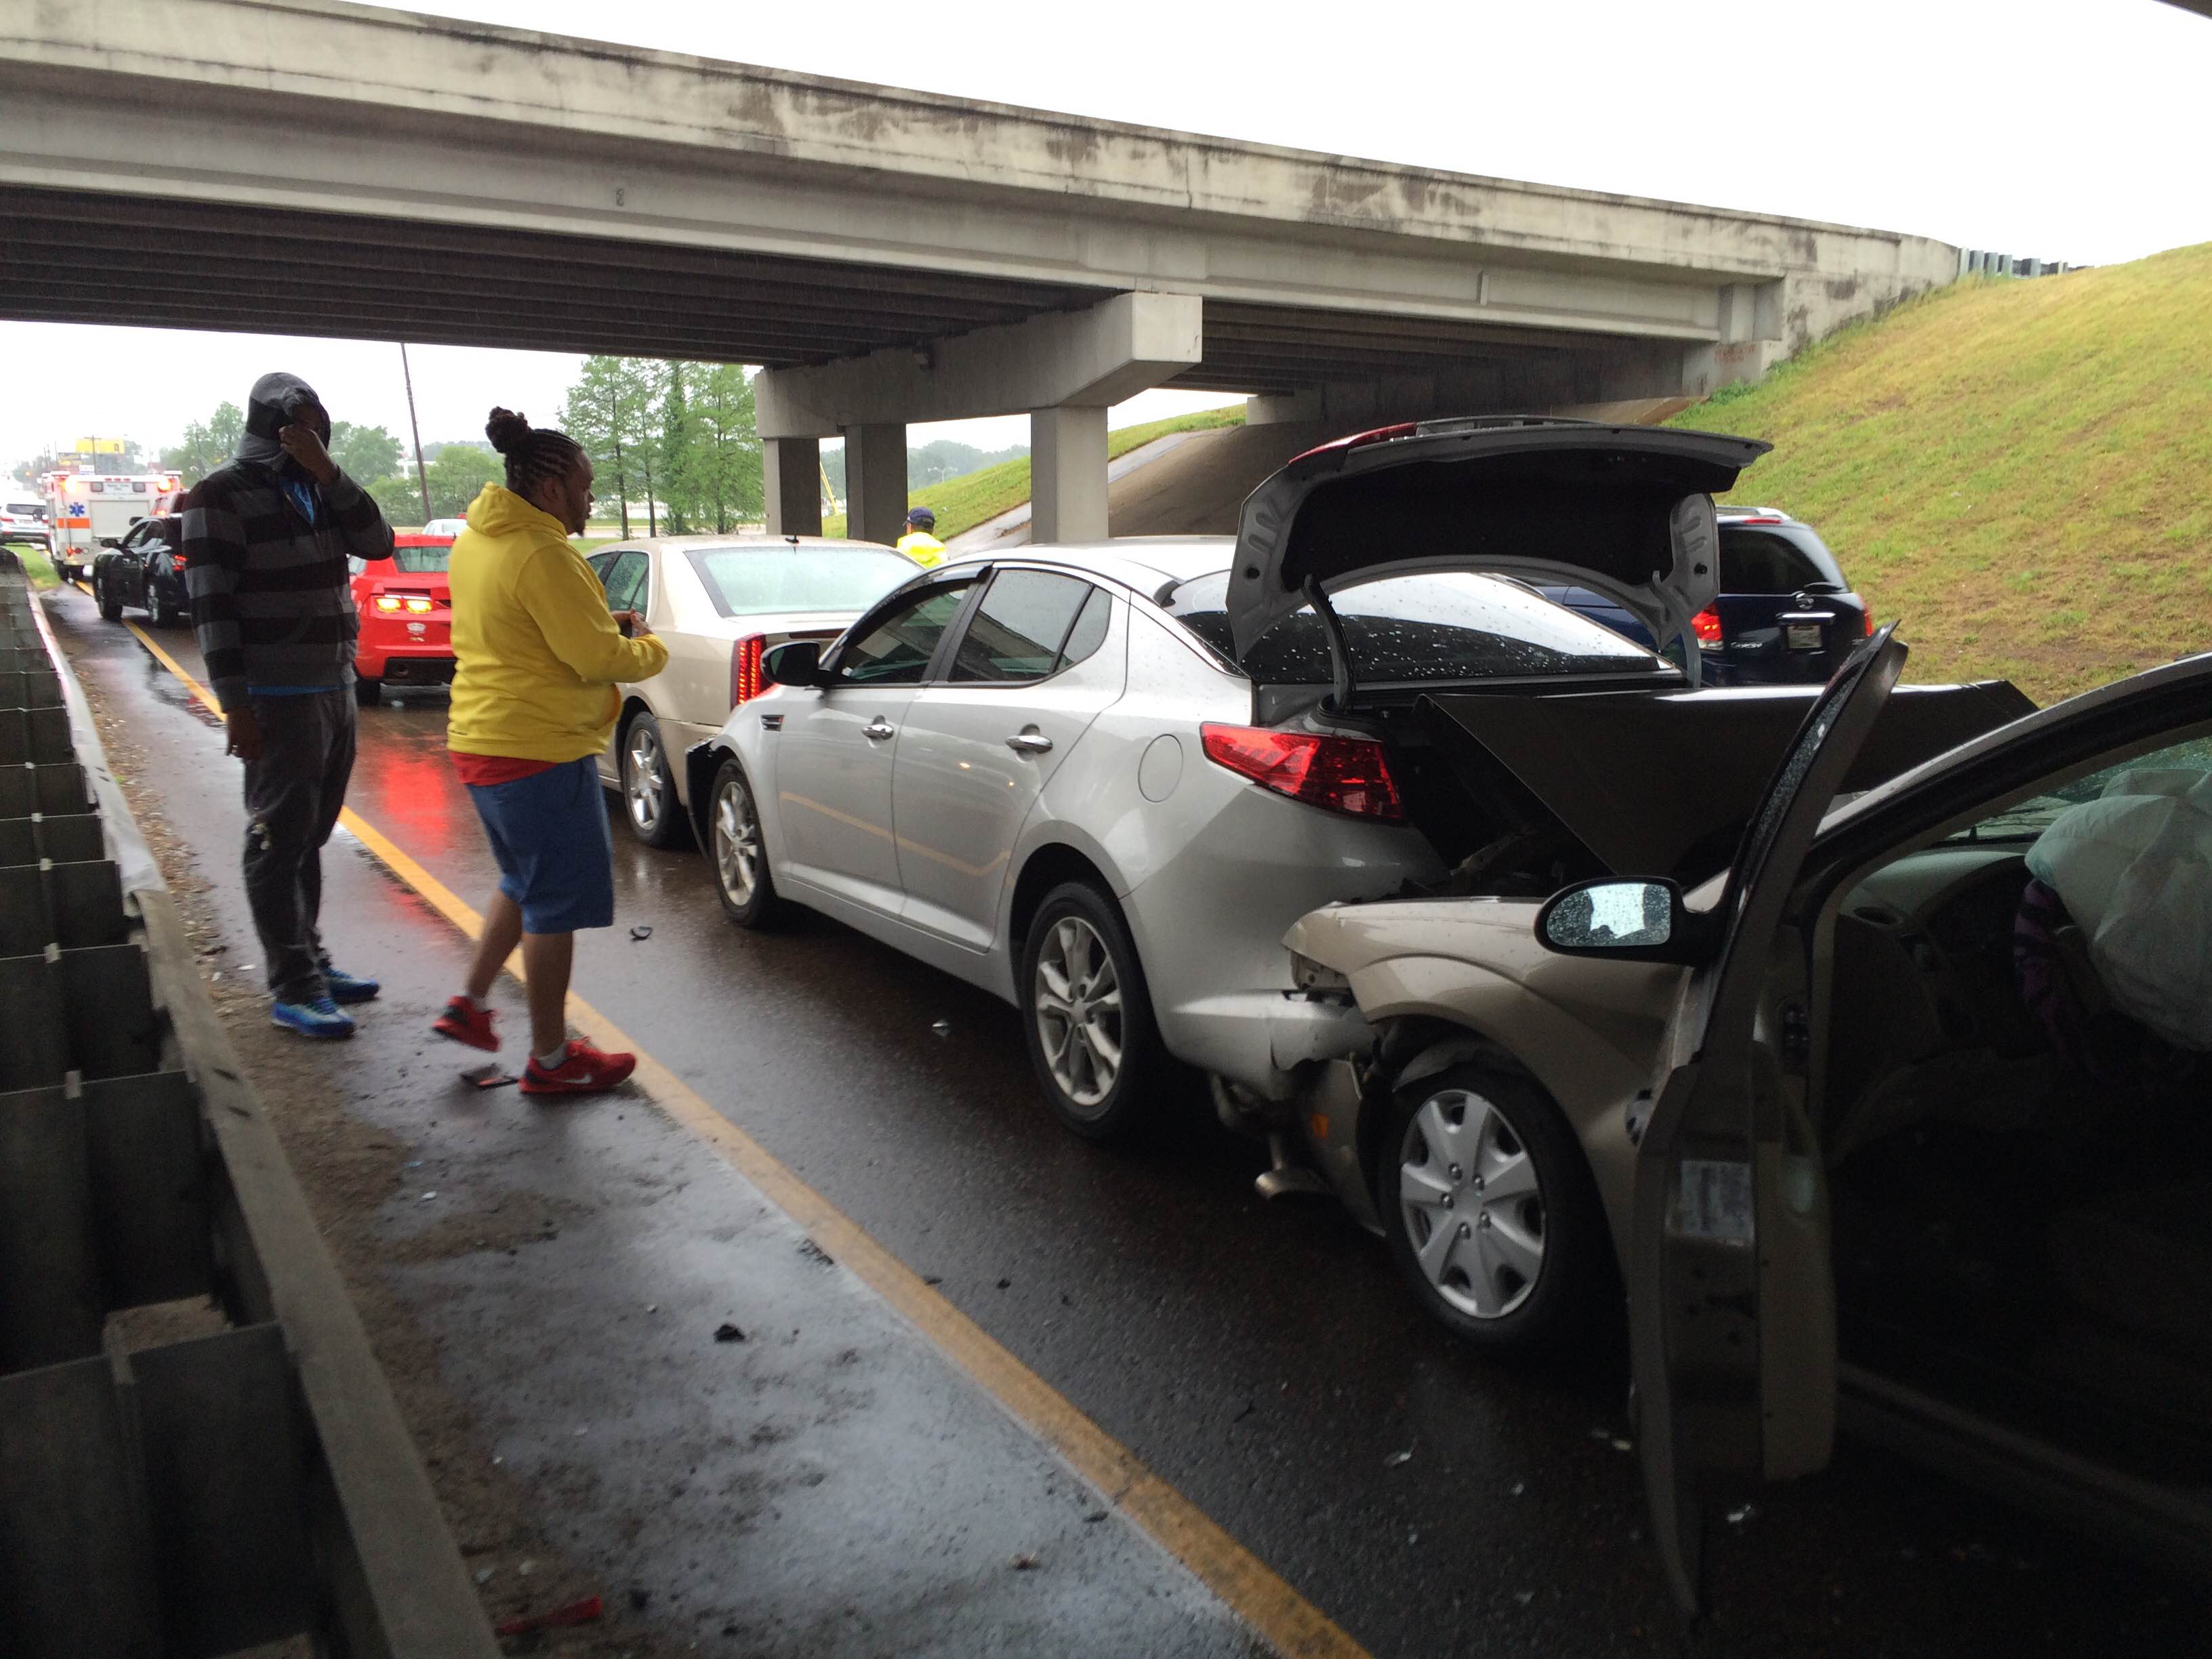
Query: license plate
x=1804, y=636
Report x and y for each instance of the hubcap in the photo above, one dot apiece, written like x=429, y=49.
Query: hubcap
x=1078, y=1011
x=1462, y=1163
x=736, y=841
x=641, y=780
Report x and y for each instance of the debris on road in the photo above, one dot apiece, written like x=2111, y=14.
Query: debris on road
x=640, y=933
x=493, y=1078
x=943, y=1027
x=726, y=1332
x=1025, y=1562
x=585, y=1612
x=1396, y=1458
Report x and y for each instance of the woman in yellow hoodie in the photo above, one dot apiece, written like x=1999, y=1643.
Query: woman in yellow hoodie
x=537, y=658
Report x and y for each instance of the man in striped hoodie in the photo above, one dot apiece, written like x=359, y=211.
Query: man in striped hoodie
x=267, y=535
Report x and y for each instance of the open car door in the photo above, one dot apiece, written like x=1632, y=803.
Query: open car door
x=1731, y=1293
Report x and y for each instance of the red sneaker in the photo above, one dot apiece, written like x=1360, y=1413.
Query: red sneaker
x=464, y=1023
x=585, y=1072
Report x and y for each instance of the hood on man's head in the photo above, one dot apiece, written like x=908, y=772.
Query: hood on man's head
x=269, y=411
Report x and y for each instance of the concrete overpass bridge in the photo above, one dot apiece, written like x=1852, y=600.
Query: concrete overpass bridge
x=309, y=166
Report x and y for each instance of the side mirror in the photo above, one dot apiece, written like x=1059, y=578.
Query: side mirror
x=795, y=662
x=1627, y=920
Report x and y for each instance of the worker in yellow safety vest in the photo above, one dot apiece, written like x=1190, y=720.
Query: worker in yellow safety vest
x=919, y=543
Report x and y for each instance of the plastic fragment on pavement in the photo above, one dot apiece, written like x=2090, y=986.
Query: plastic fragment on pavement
x=943, y=1027
x=585, y=1612
x=726, y=1332
x=1025, y=1562
x=1396, y=1458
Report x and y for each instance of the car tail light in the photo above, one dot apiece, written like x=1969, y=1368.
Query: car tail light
x=745, y=682
x=1866, y=620
x=1341, y=447
x=388, y=602
x=420, y=603
x=1706, y=625
x=1344, y=774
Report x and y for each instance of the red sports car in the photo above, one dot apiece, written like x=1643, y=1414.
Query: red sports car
x=406, y=612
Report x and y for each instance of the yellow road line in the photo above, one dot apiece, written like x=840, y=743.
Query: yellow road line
x=1292, y=1625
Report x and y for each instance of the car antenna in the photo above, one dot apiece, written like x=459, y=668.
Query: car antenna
x=1338, y=701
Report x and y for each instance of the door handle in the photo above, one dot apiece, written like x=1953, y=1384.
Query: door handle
x=878, y=729
x=1031, y=742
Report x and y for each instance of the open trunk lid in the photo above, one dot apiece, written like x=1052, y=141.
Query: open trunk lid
x=1624, y=510
x=1663, y=783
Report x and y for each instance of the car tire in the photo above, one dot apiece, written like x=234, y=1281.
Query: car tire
x=1099, y=1063
x=739, y=853
x=1531, y=1272
x=367, y=692
x=111, y=603
x=649, y=788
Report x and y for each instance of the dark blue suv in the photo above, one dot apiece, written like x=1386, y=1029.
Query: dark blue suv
x=1785, y=615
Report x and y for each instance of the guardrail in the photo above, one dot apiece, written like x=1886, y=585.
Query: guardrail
x=198, y=1498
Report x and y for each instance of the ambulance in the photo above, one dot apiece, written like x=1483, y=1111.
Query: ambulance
x=87, y=511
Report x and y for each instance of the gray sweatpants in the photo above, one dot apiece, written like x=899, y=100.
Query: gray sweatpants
x=293, y=795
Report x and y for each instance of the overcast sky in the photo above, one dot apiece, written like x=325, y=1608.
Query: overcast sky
x=2065, y=128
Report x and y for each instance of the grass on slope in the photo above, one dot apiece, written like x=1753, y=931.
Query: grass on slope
x=2022, y=471
x=963, y=502
x=36, y=565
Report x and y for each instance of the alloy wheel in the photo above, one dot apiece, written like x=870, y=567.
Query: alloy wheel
x=643, y=785
x=736, y=841
x=1471, y=1203
x=1078, y=1011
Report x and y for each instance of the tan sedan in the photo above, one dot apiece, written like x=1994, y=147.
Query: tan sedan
x=1903, y=1117
x=720, y=602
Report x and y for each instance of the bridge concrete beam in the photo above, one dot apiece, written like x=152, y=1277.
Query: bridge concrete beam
x=1067, y=474
x=1093, y=358
x=875, y=482
x=792, y=470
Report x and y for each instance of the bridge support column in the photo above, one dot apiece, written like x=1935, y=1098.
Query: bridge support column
x=875, y=482
x=791, y=469
x=1067, y=474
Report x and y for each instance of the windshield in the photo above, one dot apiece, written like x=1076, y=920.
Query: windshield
x=2026, y=820
x=769, y=577
x=422, y=561
x=1783, y=559
x=1431, y=627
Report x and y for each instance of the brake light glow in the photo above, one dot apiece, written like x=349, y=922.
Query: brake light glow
x=1706, y=625
x=1341, y=775
x=419, y=604
x=1358, y=440
x=745, y=680
x=1865, y=616
x=1755, y=521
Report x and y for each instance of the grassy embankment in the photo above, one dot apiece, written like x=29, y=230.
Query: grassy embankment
x=963, y=502
x=36, y=565
x=2020, y=470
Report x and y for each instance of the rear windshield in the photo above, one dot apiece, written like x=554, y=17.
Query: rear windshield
x=1447, y=626
x=1776, y=559
x=775, y=576
x=420, y=561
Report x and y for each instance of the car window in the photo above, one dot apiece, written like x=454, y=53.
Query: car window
x=625, y=582
x=1017, y=633
x=1089, y=630
x=897, y=647
x=2171, y=770
x=420, y=561
x=764, y=578
x=1756, y=560
x=1446, y=625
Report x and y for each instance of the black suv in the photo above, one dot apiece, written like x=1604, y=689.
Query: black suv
x=1785, y=614
x=145, y=567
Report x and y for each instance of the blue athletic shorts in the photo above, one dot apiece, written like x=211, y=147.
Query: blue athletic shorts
x=549, y=832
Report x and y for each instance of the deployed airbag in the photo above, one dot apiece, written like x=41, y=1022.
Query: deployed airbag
x=2133, y=868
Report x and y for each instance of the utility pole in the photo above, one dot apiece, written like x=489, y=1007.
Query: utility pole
x=415, y=430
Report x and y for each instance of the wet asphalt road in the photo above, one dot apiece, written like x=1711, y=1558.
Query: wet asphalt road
x=1262, y=1359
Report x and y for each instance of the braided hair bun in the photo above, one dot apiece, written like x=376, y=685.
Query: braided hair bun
x=535, y=454
x=507, y=431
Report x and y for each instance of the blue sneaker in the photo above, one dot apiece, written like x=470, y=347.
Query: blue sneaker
x=318, y=1019
x=345, y=988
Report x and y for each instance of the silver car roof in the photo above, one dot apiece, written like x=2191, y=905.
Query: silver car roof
x=1145, y=563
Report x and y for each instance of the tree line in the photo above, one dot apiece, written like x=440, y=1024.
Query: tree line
x=672, y=443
